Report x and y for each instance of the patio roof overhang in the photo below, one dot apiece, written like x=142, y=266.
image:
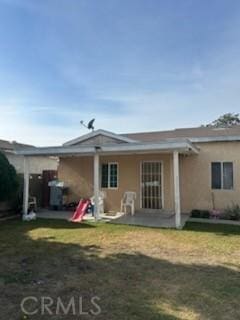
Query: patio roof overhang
x=174, y=147
x=183, y=146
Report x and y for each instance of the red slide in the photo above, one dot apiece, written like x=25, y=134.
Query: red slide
x=80, y=210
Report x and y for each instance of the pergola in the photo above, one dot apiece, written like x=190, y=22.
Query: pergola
x=172, y=146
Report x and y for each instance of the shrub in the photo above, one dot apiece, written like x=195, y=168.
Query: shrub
x=195, y=213
x=204, y=214
x=215, y=213
x=231, y=213
x=9, y=181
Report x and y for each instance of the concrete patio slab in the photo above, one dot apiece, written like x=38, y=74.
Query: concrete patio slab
x=54, y=214
x=156, y=220
x=146, y=219
x=66, y=215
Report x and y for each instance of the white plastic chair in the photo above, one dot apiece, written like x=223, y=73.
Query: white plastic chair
x=101, y=197
x=128, y=200
x=32, y=203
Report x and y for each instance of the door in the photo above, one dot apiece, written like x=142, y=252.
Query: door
x=151, y=185
x=47, y=175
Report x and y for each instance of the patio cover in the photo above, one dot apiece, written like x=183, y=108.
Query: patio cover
x=174, y=146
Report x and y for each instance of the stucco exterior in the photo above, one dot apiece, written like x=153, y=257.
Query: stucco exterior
x=77, y=173
x=195, y=177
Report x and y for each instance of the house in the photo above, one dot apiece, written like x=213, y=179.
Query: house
x=175, y=171
x=41, y=169
x=37, y=164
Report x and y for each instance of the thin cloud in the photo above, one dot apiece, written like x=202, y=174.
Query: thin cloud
x=132, y=72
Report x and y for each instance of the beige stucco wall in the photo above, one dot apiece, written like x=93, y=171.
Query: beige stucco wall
x=195, y=177
x=77, y=173
x=36, y=164
x=195, y=173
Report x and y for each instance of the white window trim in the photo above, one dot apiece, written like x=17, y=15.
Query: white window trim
x=221, y=165
x=109, y=174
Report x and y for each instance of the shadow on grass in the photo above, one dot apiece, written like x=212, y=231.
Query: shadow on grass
x=221, y=229
x=46, y=223
x=130, y=286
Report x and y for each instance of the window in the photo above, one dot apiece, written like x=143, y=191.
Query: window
x=227, y=175
x=109, y=175
x=104, y=175
x=216, y=175
x=222, y=175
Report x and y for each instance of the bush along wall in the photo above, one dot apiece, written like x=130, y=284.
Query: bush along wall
x=231, y=212
x=203, y=214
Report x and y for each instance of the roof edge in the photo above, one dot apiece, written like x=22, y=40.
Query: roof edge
x=179, y=145
x=214, y=139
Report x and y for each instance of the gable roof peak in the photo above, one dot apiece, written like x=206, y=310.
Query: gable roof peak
x=98, y=132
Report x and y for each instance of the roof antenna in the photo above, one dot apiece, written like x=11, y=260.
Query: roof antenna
x=89, y=126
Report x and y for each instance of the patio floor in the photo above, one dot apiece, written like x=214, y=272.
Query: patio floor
x=66, y=215
x=154, y=220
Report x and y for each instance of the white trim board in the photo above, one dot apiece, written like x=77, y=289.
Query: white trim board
x=130, y=148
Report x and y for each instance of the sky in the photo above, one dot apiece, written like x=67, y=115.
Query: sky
x=133, y=65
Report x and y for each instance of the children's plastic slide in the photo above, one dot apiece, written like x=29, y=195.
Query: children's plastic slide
x=80, y=210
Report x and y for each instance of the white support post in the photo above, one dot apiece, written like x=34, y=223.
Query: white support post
x=176, y=189
x=26, y=185
x=96, y=186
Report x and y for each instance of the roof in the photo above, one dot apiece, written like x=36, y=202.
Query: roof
x=199, y=134
x=8, y=146
x=180, y=145
x=5, y=145
x=181, y=140
x=96, y=133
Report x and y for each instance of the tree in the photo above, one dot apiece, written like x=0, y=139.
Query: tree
x=226, y=120
x=9, y=181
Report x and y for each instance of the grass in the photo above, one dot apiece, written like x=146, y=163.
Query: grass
x=137, y=273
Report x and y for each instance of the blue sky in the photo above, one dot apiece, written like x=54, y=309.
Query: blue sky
x=134, y=65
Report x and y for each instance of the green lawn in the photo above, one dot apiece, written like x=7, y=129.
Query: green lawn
x=137, y=273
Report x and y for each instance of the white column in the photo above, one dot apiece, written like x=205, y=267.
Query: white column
x=176, y=189
x=26, y=185
x=96, y=186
